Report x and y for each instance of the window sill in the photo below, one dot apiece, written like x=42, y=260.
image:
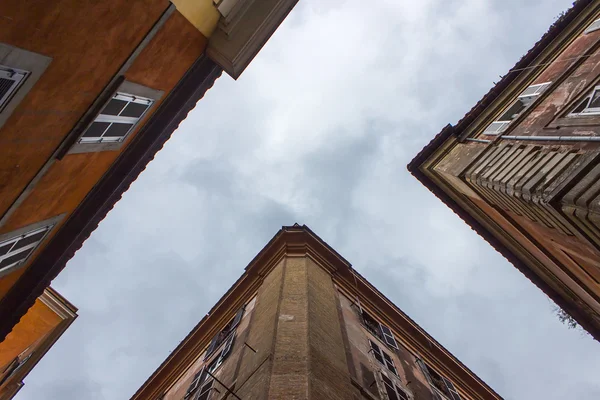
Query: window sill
x=583, y=120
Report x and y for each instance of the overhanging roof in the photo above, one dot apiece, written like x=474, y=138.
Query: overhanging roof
x=450, y=131
x=298, y=239
x=520, y=67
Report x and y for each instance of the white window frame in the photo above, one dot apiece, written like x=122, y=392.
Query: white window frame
x=454, y=395
x=17, y=76
x=388, y=337
x=400, y=393
x=386, y=334
x=587, y=110
x=128, y=89
x=20, y=60
x=202, y=378
x=129, y=98
x=388, y=362
x=594, y=26
x=28, y=249
x=531, y=92
x=205, y=389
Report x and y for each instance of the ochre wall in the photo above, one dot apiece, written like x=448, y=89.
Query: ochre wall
x=201, y=13
x=39, y=321
x=88, y=43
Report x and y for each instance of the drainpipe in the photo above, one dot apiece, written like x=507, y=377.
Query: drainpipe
x=554, y=138
x=478, y=140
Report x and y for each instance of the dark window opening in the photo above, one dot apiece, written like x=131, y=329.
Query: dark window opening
x=443, y=385
x=10, y=81
x=224, y=333
x=383, y=358
x=393, y=391
x=379, y=330
x=590, y=105
x=371, y=325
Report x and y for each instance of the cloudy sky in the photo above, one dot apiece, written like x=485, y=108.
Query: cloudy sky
x=319, y=130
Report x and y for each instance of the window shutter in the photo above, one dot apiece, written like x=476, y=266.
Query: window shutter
x=451, y=389
x=212, y=346
x=228, y=346
x=10, y=80
x=425, y=372
x=238, y=317
x=388, y=336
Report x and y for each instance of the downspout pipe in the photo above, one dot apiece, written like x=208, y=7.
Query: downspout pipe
x=478, y=140
x=554, y=138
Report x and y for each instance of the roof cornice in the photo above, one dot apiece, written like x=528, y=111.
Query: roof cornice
x=300, y=241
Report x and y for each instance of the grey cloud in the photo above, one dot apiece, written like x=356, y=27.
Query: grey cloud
x=319, y=130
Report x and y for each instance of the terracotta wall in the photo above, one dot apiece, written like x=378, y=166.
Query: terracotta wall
x=364, y=365
x=88, y=42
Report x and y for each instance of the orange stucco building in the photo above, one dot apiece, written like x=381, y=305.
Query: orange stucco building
x=89, y=92
x=42, y=325
x=301, y=323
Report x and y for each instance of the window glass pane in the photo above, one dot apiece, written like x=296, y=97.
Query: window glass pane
x=401, y=394
x=388, y=359
x=495, y=128
x=29, y=240
x=595, y=102
x=118, y=130
x=529, y=91
x=10, y=80
x=581, y=106
x=388, y=336
x=134, y=110
x=514, y=110
x=5, y=86
x=392, y=369
x=15, y=258
x=4, y=248
x=96, y=129
x=386, y=330
x=390, y=366
x=376, y=352
x=205, y=391
x=113, y=107
x=390, y=392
